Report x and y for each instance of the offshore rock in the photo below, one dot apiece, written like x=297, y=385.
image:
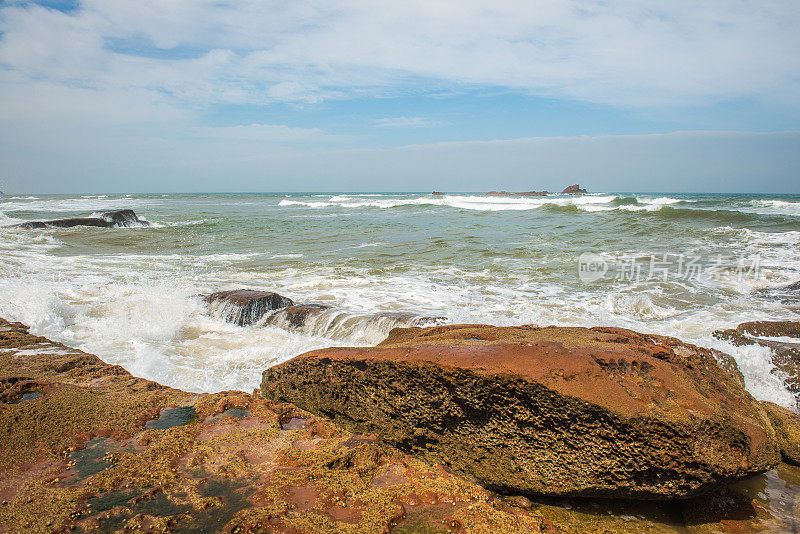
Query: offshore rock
x=783, y=337
x=787, y=429
x=107, y=219
x=574, y=189
x=245, y=306
x=601, y=412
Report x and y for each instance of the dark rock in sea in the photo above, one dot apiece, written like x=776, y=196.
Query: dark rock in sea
x=574, y=189
x=785, y=349
x=245, y=306
x=437, y=193
x=601, y=412
x=522, y=194
x=787, y=429
x=107, y=219
x=298, y=314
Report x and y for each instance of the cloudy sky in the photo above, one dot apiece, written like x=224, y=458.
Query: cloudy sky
x=256, y=95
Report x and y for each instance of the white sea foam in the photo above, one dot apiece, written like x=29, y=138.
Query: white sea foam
x=139, y=307
x=81, y=204
x=589, y=203
x=774, y=207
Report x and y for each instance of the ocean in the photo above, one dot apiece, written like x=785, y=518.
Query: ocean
x=682, y=265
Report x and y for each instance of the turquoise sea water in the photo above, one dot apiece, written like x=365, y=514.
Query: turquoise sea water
x=674, y=264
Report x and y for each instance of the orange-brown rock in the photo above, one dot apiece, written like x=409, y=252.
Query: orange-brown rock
x=86, y=447
x=574, y=189
x=787, y=428
x=549, y=411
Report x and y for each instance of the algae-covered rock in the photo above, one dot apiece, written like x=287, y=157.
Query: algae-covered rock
x=87, y=447
x=787, y=429
x=549, y=411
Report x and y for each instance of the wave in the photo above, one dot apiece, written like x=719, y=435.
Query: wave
x=775, y=207
x=87, y=204
x=338, y=324
x=587, y=203
x=624, y=201
x=718, y=215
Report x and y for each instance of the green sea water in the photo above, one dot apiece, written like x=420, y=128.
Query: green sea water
x=674, y=264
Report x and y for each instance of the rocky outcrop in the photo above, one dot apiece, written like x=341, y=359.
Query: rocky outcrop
x=87, y=447
x=245, y=306
x=787, y=429
x=549, y=411
x=107, y=219
x=783, y=337
x=574, y=189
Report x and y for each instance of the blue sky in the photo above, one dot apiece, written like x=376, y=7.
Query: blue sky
x=193, y=95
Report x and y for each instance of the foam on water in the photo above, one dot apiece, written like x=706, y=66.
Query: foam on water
x=780, y=207
x=133, y=297
x=85, y=204
x=589, y=203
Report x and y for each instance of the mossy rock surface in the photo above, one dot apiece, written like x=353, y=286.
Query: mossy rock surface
x=601, y=412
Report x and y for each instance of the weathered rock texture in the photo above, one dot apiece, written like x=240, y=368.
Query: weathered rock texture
x=246, y=306
x=549, y=411
x=86, y=447
x=785, y=350
x=574, y=189
x=787, y=428
x=107, y=219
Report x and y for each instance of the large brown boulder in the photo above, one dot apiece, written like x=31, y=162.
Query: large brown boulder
x=783, y=337
x=245, y=306
x=552, y=411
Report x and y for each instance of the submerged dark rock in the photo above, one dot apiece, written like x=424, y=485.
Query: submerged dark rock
x=298, y=314
x=107, y=219
x=601, y=412
x=245, y=306
x=783, y=337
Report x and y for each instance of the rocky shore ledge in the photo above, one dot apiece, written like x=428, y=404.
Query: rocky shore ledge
x=397, y=438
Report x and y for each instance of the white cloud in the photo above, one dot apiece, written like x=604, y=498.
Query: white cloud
x=268, y=133
x=406, y=122
x=624, y=52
